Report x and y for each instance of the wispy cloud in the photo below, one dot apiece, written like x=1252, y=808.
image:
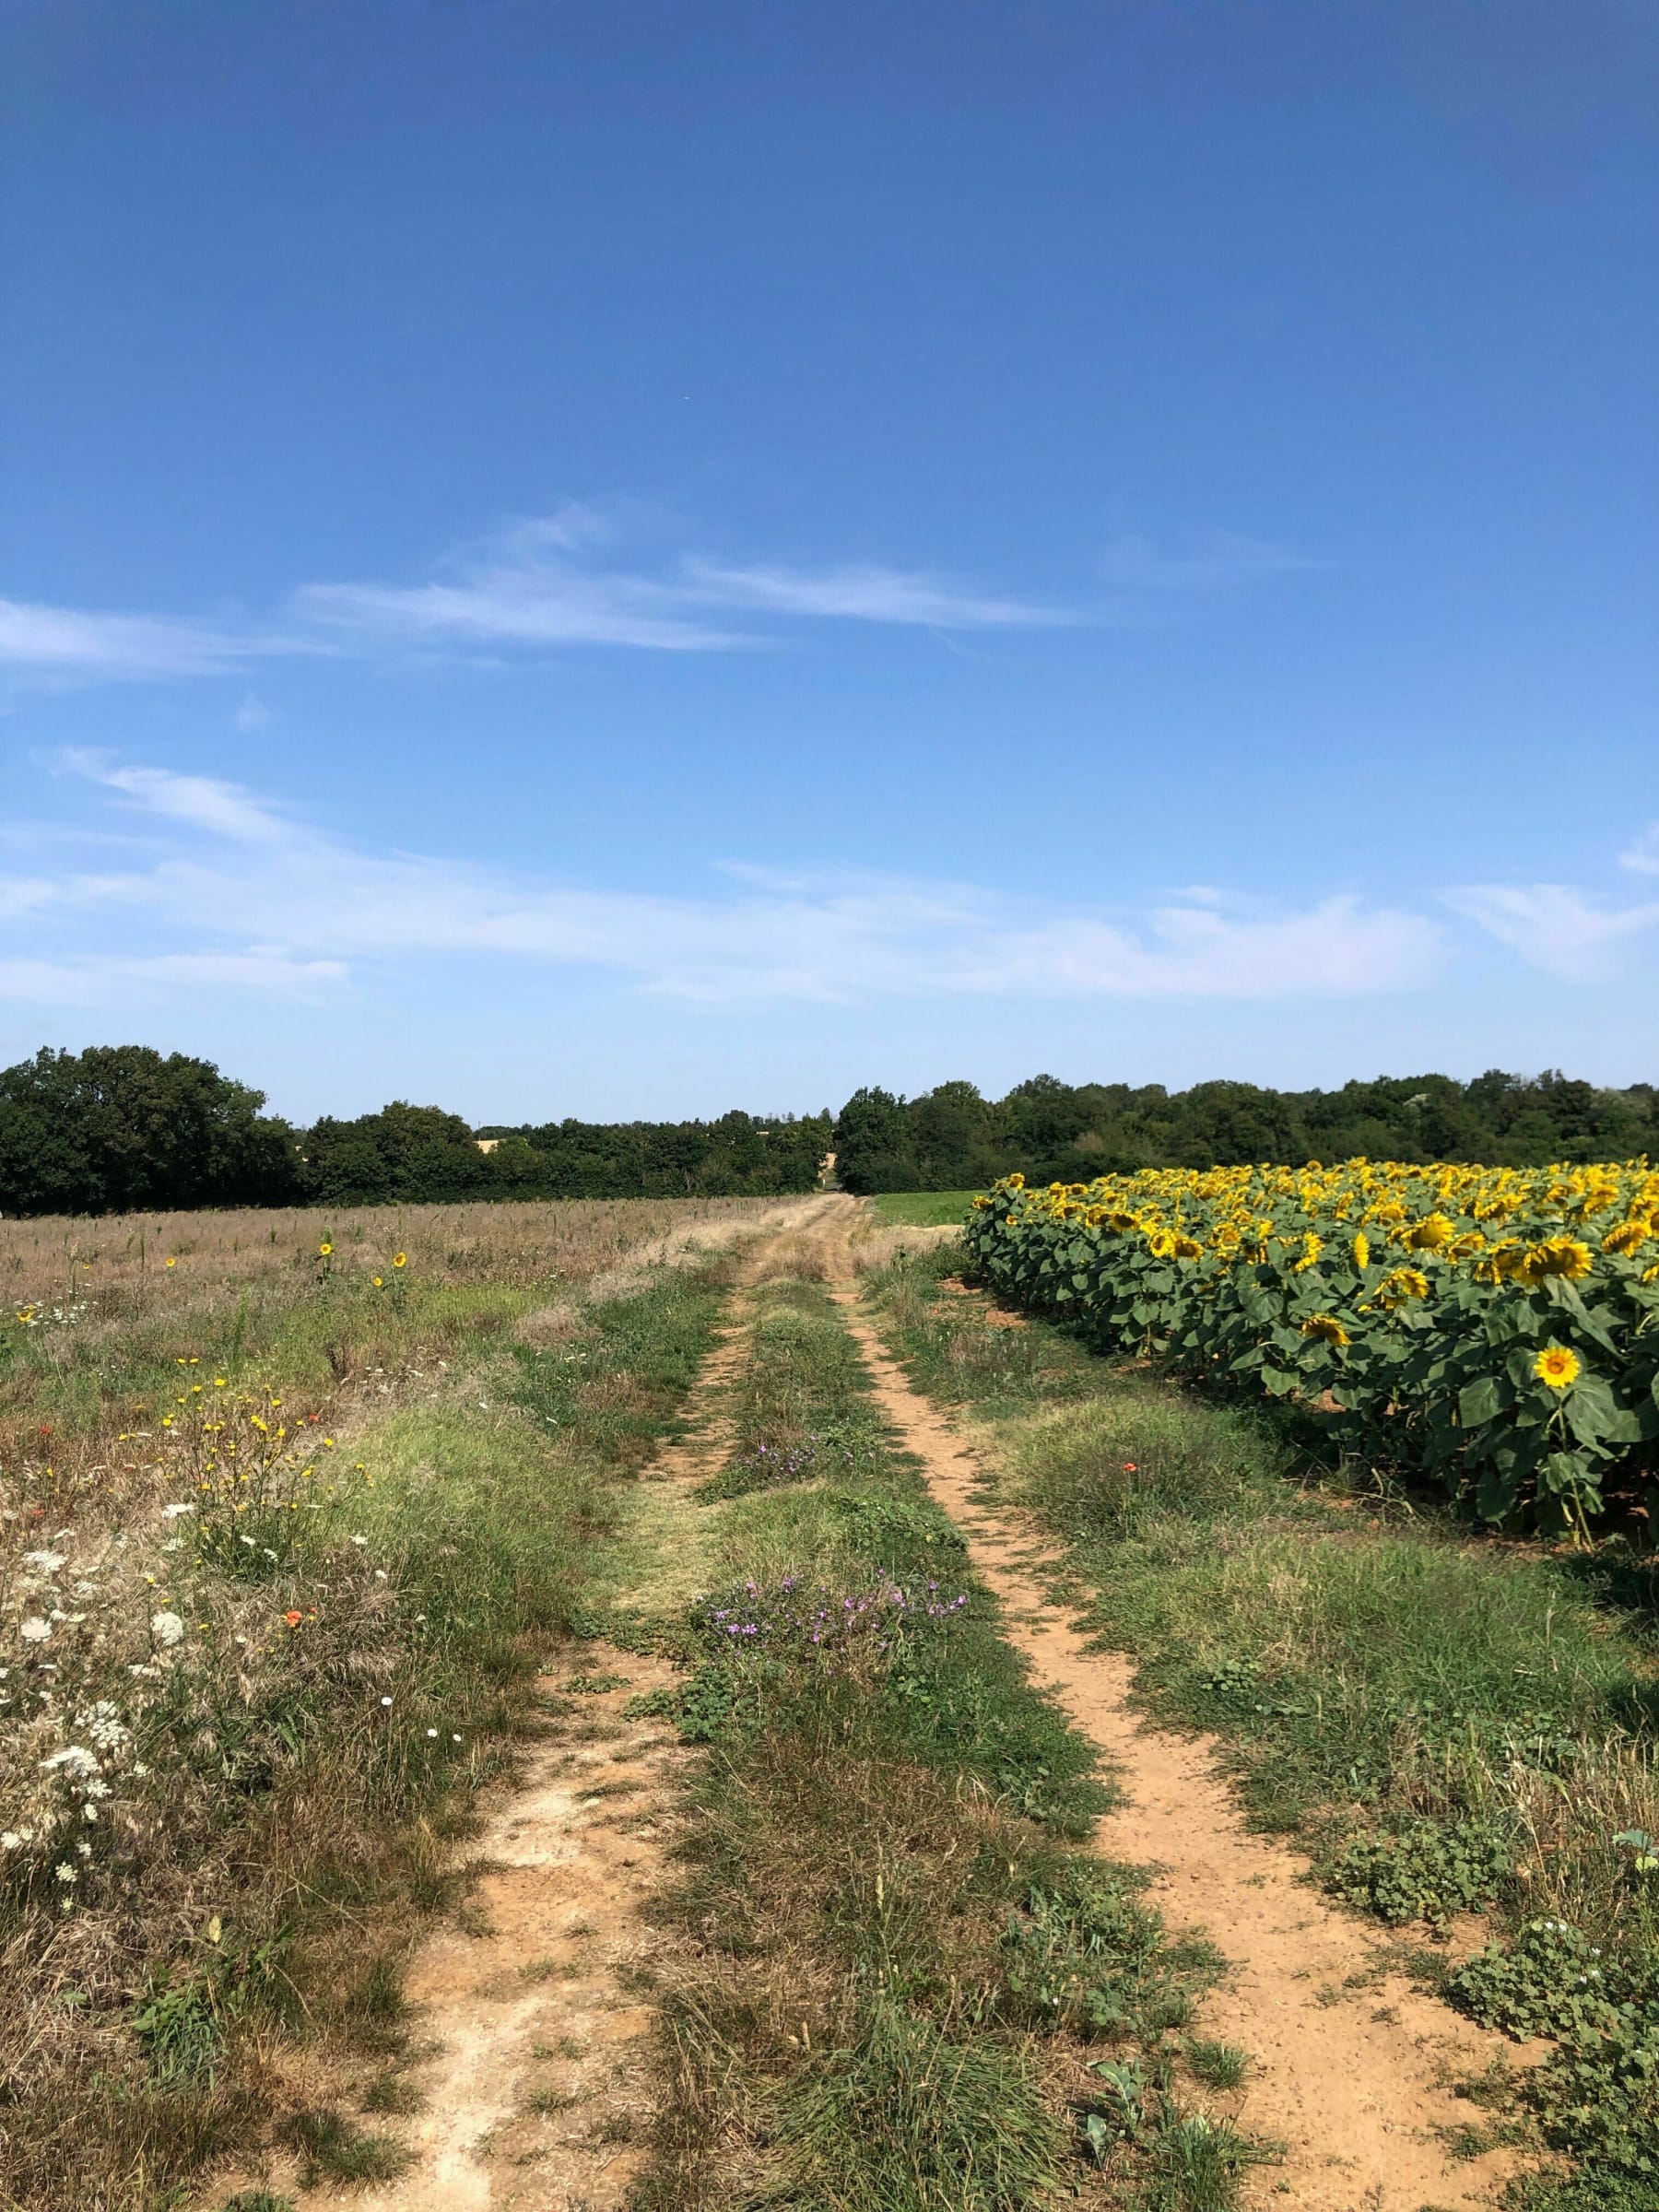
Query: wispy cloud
x=592, y=576
x=545, y=583
x=1642, y=854
x=864, y=594
x=1209, y=561
x=93, y=980
x=1555, y=927
x=223, y=809
x=293, y=911
x=68, y=641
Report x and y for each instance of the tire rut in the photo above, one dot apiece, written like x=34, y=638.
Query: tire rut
x=1350, y=2060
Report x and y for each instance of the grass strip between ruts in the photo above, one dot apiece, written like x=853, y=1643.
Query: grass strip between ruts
x=909, y=1988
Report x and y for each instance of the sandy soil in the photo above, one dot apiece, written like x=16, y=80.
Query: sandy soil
x=536, y=2081
x=1349, y=2061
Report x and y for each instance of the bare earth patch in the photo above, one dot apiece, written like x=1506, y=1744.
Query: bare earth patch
x=531, y=2003
x=1350, y=2060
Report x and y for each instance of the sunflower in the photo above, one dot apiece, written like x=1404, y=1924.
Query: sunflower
x=1188, y=1248
x=1403, y=1283
x=324, y=1250
x=1161, y=1243
x=1326, y=1327
x=1311, y=1246
x=1556, y=1367
x=1429, y=1234
x=1362, y=1249
x=1566, y=1256
x=400, y=1259
x=1626, y=1237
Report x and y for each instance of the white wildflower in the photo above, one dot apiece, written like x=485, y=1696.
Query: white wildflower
x=172, y=1513
x=64, y=1871
x=360, y=1539
x=10, y=1840
x=385, y=1700
x=75, y=1759
x=35, y=1631
x=167, y=1629
x=43, y=1562
x=103, y=1724
x=84, y=1848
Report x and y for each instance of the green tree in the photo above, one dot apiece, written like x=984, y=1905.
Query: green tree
x=119, y=1127
x=416, y=1153
x=873, y=1143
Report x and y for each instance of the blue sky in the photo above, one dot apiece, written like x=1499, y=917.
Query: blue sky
x=626, y=559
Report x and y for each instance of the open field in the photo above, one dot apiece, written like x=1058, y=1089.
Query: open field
x=575, y=1721
x=292, y=1504
x=922, y=1209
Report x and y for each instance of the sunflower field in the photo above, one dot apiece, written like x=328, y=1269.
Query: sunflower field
x=1494, y=1329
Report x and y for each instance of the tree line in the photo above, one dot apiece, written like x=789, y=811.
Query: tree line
x=951, y=1139
x=122, y=1128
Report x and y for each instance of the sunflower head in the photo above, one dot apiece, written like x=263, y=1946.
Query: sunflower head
x=1403, y=1283
x=1429, y=1234
x=400, y=1259
x=1188, y=1248
x=1326, y=1328
x=1556, y=1367
x=1566, y=1256
x=324, y=1249
x=1628, y=1236
x=1361, y=1249
x=1311, y=1246
x=1015, y=1182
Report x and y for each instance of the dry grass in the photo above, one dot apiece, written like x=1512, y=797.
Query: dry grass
x=237, y=1740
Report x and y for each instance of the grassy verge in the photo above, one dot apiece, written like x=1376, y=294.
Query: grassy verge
x=922, y=1209
x=263, y=1652
x=1449, y=1725
x=909, y=1988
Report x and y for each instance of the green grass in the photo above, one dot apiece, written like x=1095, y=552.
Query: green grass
x=922, y=1209
x=902, y=1956
x=1447, y=1724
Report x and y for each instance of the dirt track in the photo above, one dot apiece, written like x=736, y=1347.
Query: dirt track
x=536, y=2079
x=1349, y=2060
